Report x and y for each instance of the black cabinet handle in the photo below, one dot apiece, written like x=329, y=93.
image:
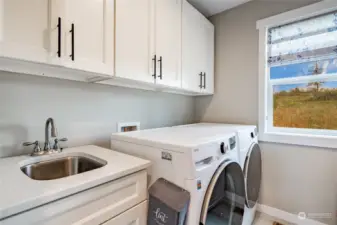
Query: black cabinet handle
x=161, y=67
x=59, y=30
x=154, y=66
x=72, y=31
x=204, y=80
x=200, y=74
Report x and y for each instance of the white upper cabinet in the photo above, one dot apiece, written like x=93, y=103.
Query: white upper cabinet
x=148, y=41
x=167, y=36
x=89, y=35
x=208, y=53
x=197, y=51
x=165, y=44
x=78, y=34
x=192, y=58
x=133, y=41
x=24, y=29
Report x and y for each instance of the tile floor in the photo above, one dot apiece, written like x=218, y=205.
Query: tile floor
x=262, y=219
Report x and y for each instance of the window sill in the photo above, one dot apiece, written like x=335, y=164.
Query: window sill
x=321, y=141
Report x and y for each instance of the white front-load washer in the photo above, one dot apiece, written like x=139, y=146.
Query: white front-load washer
x=250, y=160
x=206, y=165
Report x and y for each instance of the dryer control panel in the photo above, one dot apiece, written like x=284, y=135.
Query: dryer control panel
x=232, y=143
x=213, y=153
x=230, y=146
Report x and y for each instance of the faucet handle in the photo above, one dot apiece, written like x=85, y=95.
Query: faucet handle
x=62, y=139
x=30, y=143
x=37, y=150
x=57, y=145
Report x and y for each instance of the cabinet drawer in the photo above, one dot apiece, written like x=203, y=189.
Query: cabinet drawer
x=93, y=206
x=135, y=216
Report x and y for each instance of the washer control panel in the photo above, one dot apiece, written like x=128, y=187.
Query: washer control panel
x=216, y=150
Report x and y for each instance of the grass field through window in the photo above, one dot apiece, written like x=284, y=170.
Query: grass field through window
x=312, y=105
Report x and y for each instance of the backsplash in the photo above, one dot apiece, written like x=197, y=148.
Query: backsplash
x=84, y=113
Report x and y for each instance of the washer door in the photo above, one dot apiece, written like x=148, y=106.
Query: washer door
x=252, y=172
x=225, y=197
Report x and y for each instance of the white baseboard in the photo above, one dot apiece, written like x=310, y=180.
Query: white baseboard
x=286, y=216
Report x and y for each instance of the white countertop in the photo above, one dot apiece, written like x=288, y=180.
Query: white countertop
x=18, y=192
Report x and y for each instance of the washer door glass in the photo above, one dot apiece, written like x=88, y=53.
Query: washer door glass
x=225, y=197
x=252, y=171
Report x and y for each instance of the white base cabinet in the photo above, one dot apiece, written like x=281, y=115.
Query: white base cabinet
x=122, y=201
x=135, y=216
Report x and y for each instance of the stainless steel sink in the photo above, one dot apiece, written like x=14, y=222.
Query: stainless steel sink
x=61, y=167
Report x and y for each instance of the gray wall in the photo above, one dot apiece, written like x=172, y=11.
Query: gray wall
x=84, y=113
x=295, y=178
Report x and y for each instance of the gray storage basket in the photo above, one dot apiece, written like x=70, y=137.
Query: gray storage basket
x=168, y=204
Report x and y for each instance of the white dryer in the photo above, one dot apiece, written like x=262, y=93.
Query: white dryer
x=206, y=165
x=250, y=160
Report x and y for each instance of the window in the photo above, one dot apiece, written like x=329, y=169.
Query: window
x=298, y=76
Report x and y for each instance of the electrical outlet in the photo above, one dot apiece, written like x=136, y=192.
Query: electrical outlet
x=127, y=127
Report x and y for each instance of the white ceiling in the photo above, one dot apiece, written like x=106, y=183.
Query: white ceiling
x=211, y=7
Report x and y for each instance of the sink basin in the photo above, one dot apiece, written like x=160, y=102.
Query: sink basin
x=61, y=167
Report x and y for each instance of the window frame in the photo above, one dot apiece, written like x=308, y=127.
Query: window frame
x=297, y=136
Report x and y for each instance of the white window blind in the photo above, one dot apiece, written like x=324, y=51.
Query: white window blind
x=303, y=40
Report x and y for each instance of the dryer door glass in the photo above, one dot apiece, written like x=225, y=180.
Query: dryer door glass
x=252, y=171
x=224, y=200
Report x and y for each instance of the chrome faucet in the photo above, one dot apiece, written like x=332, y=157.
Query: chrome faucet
x=50, y=121
x=50, y=126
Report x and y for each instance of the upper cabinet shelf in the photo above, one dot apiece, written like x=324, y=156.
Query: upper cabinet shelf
x=149, y=44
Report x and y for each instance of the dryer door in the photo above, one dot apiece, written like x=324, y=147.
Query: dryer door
x=224, y=200
x=252, y=172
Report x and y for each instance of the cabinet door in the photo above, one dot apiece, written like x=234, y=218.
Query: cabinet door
x=168, y=42
x=192, y=47
x=133, y=28
x=90, y=42
x=25, y=29
x=134, y=216
x=208, y=49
